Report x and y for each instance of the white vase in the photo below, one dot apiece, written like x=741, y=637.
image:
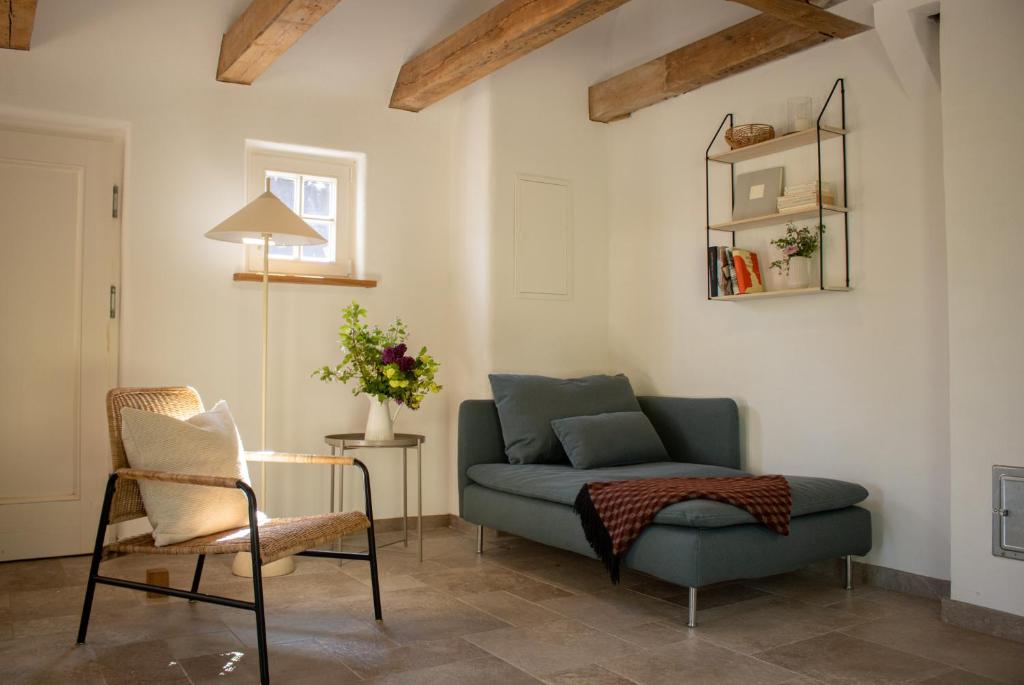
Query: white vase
x=799, y=273
x=380, y=424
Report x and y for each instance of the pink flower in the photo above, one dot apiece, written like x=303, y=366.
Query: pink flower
x=792, y=250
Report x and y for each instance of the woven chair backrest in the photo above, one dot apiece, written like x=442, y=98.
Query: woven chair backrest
x=181, y=403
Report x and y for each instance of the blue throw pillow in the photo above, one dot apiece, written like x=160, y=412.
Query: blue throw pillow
x=610, y=440
x=527, y=405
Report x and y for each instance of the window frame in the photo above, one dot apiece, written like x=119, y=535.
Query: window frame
x=343, y=171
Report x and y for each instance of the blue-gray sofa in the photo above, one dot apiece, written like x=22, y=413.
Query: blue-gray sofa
x=695, y=543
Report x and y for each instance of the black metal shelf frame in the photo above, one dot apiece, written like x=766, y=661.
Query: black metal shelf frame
x=839, y=84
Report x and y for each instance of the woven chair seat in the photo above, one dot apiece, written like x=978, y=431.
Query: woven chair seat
x=279, y=538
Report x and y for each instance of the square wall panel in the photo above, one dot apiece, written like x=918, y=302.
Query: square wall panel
x=543, y=238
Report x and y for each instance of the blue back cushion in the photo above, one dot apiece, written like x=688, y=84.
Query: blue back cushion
x=615, y=439
x=528, y=404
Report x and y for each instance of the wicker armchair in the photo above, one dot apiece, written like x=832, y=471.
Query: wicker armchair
x=274, y=539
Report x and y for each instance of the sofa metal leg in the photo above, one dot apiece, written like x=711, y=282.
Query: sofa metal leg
x=691, y=620
x=479, y=539
x=848, y=572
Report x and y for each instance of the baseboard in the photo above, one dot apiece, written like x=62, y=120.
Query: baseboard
x=882, y=577
x=429, y=521
x=983, y=620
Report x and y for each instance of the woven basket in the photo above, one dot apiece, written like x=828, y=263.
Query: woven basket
x=748, y=134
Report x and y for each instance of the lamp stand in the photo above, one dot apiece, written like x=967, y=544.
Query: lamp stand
x=242, y=565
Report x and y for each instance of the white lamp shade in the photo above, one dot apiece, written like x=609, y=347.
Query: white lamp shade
x=266, y=215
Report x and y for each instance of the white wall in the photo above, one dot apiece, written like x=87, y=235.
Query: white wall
x=982, y=101
x=848, y=385
x=528, y=119
x=151, y=64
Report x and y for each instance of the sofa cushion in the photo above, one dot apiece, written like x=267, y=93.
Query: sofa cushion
x=527, y=405
x=613, y=439
x=561, y=484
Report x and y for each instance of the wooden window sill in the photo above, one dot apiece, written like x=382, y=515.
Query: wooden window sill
x=308, y=280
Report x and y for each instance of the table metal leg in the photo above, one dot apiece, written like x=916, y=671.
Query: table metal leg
x=405, y=495
x=341, y=498
x=333, y=477
x=336, y=545
x=419, y=495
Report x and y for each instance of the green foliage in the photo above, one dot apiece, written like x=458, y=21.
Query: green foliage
x=798, y=242
x=375, y=359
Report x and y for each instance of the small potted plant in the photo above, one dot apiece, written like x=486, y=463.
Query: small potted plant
x=375, y=358
x=798, y=246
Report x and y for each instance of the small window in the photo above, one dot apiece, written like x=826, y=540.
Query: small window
x=321, y=190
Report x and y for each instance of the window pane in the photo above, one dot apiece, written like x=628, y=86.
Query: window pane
x=284, y=187
x=320, y=253
x=318, y=197
x=282, y=252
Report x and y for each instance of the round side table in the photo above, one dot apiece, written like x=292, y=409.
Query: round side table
x=341, y=442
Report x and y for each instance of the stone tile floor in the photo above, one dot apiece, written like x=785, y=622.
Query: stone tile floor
x=521, y=613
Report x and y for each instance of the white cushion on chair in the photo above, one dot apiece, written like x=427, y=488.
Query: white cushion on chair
x=207, y=444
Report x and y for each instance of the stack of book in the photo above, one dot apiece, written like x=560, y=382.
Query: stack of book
x=805, y=196
x=732, y=271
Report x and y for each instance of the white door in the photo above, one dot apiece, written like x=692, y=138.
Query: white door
x=59, y=259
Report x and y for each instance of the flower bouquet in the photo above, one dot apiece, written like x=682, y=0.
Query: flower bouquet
x=377, y=360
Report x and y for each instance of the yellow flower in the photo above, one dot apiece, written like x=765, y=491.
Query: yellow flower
x=389, y=373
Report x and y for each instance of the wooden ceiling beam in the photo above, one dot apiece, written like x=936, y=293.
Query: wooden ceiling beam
x=262, y=33
x=503, y=34
x=743, y=46
x=807, y=16
x=756, y=41
x=17, y=18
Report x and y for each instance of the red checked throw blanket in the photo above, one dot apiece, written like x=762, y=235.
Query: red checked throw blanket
x=614, y=514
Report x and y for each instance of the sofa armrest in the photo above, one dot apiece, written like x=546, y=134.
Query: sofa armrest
x=480, y=439
x=698, y=431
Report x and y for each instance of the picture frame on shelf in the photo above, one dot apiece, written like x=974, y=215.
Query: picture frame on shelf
x=757, y=193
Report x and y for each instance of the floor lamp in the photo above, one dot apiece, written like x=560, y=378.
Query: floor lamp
x=265, y=221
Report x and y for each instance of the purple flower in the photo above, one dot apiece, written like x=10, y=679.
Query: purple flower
x=406, y=364
x=400, y=349
x=389, y=356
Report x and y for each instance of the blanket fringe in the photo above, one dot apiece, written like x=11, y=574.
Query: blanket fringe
x=597, y=534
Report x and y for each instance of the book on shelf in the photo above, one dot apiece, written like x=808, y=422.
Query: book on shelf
x=748, y=272
x=811, y=203
x=804, y=196
x=721, y=271
x=809, y=187
x=733, y=271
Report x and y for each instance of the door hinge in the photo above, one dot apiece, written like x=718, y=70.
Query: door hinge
x=113, y=302
x=115, y=203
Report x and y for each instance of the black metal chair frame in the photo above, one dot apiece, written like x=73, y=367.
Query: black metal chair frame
x=256, y=606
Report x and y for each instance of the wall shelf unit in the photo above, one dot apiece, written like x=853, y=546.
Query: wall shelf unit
x=768, y=294
x=775, y=145
x=777, y=219
x=810, y=137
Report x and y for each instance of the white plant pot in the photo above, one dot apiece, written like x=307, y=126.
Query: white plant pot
x=380, y=424
x=799, y=275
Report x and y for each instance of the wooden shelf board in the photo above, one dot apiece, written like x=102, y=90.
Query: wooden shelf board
x=307, y=280
x=776, y=219
x=768, y=294
x=780, y=144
